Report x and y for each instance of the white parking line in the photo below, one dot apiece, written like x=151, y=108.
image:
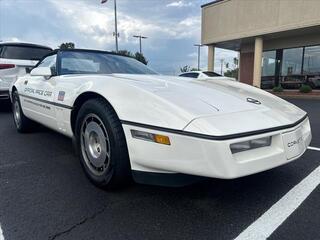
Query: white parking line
x=264, y=226
x=314, y=148
x=1, y=233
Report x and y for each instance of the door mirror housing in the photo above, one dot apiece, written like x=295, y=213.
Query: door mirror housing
x=41, y=71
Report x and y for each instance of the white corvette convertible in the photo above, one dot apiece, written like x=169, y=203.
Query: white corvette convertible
x=129, y=122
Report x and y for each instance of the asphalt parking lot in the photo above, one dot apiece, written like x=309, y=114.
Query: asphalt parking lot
x=45, y=195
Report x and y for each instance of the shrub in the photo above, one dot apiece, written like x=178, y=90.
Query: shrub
x=278, y=89
x=305, y=88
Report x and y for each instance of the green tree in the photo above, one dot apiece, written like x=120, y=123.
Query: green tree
x=236, y=61
x=67, y=45
x=125, y=53
x=233, y=73
x=185, y=68
x=141, y=58
x=137, y=56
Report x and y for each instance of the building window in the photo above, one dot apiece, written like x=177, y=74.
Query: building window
x=311, y=66
x=291, y=67
x=268, y=69
x=292, y=61
x=311, y=63
x=268, y=63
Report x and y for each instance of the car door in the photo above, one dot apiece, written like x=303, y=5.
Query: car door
x=37, y=96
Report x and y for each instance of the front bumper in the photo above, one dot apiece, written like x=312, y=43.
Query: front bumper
x=212, y=158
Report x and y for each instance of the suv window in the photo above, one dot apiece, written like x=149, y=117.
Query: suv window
x=24, y=52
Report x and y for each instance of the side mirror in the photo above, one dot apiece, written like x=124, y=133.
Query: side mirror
x=41, y=71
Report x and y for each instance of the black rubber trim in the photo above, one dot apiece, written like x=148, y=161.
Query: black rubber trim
x=165, y=179
x=211, y=3
x=210, y=137
x=47, y=102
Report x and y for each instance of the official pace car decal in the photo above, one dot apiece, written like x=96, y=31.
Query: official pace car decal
x=38, y=92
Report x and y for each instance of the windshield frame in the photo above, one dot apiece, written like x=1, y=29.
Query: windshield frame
x=60, y=56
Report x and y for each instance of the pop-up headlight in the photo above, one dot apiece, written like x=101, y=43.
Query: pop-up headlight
x=251, y=144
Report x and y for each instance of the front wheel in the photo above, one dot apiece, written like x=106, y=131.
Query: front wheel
x=23, y=124
x=101, y=145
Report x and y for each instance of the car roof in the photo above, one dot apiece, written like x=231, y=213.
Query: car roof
x=24, y=44
x=192, y=72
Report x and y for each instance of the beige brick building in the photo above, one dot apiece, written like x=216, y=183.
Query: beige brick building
x=278, y=40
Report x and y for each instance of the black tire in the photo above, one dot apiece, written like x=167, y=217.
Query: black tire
x=105, y=172
x=23, y=124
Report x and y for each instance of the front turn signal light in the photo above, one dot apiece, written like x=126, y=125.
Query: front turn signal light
x=157, y=138
x=161, y=139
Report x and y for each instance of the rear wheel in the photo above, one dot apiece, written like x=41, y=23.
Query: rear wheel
x=101, y=145
x=23, y=124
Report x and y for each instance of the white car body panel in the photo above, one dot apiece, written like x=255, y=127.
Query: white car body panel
x=211, y=158
x=7, y=76
x=173, y=106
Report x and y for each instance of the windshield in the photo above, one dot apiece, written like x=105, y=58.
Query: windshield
x=100, y=63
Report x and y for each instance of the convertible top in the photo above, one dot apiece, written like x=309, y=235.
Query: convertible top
x=85, y=50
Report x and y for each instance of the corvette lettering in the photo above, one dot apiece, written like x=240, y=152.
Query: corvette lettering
x=291, y=144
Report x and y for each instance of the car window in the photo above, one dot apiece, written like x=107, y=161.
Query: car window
x=212, y=74
x=183, y=75
x=82, y=62
x=24, y=52
x=190, y=75
x=49, y=61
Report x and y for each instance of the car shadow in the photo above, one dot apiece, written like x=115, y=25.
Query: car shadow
x=5, y=106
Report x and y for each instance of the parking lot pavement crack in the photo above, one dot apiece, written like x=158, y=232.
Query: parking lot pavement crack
x=83, y=221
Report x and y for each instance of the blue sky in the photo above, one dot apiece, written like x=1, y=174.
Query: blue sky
x=172, y=27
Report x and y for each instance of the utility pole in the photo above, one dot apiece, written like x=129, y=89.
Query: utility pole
x=199, y=46
x=221, y=60
x=115, y=33
x=140, y=37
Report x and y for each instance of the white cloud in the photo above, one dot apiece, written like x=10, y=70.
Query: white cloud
x=171, y=30
x=96, y=24
x=12, y=39
x=193, y=55
x=179, y=4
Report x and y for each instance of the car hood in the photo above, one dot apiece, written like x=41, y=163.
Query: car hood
x=219, y=106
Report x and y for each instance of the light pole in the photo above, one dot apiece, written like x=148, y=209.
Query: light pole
x=115, y=34
x=140, y=37
x=199, y=46
x=222, y=61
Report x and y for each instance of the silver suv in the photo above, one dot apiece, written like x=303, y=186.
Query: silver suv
x=17, y=59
